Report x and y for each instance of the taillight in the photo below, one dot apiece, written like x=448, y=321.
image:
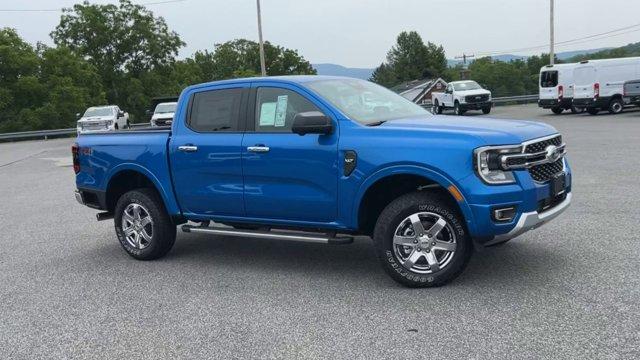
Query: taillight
x=560, y=92
x=75, y=153
x=596, y=90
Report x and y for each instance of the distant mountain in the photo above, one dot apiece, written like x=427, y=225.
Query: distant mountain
x=339, y=70
x=564, y=55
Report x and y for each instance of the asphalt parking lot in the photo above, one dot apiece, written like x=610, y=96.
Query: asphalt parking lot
x=568, y=290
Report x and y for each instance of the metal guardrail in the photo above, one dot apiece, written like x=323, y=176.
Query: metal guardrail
x=45, y=134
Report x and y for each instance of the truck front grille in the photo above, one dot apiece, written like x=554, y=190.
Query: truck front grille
x=476, y=98
x=544, y=172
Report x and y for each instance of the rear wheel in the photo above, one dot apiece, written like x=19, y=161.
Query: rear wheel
x=421, y=241
x=437, y=108
x=557, y=110
x=593, y=111
x=577, y=110
x=616, y=106
x=143, y=227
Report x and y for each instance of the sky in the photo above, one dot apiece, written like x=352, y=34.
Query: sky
x=358, y=33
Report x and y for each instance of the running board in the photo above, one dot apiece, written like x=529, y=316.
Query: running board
x=291, y=236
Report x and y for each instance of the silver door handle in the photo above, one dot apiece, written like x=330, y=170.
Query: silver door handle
x=258, y=149
x=188, y=148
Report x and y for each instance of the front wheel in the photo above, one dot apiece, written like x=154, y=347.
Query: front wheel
x=457, y=109
x=143, y=227
x=486, y=110
x=616, y=106
x=421, y=240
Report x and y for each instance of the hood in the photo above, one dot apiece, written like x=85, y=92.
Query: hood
x=96, y=118
x=490, y=131
x=473, y=92
x=162, y=116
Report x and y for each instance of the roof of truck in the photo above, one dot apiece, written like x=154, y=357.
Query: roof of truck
x=298, y=79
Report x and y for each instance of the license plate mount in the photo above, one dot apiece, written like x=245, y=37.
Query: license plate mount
x=558, y=183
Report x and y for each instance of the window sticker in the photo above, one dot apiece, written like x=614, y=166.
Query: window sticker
x=281, y=110
x=267, y=114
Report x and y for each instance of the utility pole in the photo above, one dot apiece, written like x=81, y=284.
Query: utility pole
x=551, y=43
x=263, y=68
x=464, y=73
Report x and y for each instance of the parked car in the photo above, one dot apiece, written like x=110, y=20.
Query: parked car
x=102, y=118
x=462, y=96
x=631, y=92
x=556, y=88
x=260, y=155
x=163, y=114
x=599, y=84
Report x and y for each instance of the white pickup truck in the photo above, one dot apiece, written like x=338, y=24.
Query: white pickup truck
x=462, y=96
x=102, y=118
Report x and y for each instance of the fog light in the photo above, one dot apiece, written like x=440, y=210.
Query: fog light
x=504, y=214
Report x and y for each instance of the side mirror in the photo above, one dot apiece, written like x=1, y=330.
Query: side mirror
x=120, y=113
x=78, y=115
x=312, y=122
x=147, y=112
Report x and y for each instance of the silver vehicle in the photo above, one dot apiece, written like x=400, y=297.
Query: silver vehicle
x=102, y=119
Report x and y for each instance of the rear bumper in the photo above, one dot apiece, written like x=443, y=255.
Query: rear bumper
x=475, y=106
x=600, y=102
x=91, y=198
x=564, y=103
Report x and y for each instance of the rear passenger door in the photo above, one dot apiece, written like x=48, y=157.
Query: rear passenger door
x=288, y=177
x=205, y=152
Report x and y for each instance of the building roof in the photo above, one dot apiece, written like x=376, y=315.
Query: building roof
x=414, y=89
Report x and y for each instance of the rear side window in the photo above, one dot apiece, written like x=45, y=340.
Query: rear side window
x=215, y=110
x=548, y=79
x=276, y=108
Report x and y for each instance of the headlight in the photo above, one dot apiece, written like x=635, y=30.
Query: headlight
x=488, y=164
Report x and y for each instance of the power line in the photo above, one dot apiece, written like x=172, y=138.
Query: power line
x=599, y=36
x=59, y=10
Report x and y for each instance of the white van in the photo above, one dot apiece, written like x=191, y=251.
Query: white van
x=555, y=88
x=599, y=84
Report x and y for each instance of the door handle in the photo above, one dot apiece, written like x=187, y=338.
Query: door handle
x=188, y=148
x=258, y=149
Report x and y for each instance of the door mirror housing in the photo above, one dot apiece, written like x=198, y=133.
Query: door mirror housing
x=78, y=115
x=312, y=122
x=120, y=114
x=147, y=112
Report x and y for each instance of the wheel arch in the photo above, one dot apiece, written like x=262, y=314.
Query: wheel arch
x=382, y=187
x=127, y=177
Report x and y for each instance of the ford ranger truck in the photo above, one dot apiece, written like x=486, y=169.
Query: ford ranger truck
x=462, y=96
x=303, y=158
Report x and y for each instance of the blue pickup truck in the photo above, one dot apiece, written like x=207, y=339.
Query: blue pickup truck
x=323, y=159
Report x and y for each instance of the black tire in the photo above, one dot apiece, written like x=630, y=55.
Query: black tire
x=486, y=110
x=437, y=108
x=163, y=230
x=557, y=110
x=457, y=110
x=616, y=106
x=395, y=214
x=115, y=126
x=577, y=110
x=593, y=111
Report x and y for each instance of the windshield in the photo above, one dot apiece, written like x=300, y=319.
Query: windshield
x=98, y=111
x=467, y=85
x=365, y=102
x=165, y=108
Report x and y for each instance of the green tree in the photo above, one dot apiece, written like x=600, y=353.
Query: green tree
x=410, y=59
x=384, y=75
x=121, y=41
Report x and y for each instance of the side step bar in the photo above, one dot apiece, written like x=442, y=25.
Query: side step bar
x=291, y=236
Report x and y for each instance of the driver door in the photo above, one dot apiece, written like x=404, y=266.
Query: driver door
x=448, y=96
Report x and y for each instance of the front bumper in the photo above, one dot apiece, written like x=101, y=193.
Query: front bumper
x=475, y=106
x=531, y=220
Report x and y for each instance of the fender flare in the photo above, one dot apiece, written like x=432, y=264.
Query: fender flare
x=407, y=169
x=166, y=194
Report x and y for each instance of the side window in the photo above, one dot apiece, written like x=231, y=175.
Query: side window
x=276, y=108
x=215, y=110
x=449, y=88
